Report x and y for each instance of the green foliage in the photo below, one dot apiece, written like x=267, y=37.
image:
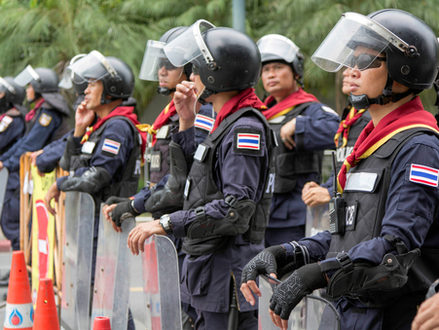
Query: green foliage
x=50, y=32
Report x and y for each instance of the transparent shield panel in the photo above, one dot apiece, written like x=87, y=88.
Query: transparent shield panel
x=169, y=283
x=317, y=219
x=77, y=261
x=4, y=174
x=159, y=292
x=112, y=281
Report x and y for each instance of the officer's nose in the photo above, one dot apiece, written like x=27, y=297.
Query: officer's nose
x=163, y=72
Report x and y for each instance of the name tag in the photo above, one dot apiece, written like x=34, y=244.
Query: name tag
x=88, y=147
x=163, y=132
x=362, y=181
x=201, y=152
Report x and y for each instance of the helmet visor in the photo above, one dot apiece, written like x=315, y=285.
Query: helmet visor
x=155, y=60
x=189, y=45
x=26, y=76
x=5, y=86
x=277, y=47
x=351, y=31
x=93, y=66
x=66, y=80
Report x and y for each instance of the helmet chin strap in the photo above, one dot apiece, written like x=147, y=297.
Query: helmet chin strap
x=364, y=102
x=165, y=90
x=204, y=95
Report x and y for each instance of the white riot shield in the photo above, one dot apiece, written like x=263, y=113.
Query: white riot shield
x=112, y=276
x=77, y=261
x=160, y=291
x=307, y=315
x=4, y=174
x=317, y=219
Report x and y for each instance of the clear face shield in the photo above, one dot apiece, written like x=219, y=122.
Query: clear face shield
x=6, y=87
x=26, y=76
x=67, y=76
x=190, y=45
x=275, y=46
x=155, y=60
x=352, y=31
x=94, y=66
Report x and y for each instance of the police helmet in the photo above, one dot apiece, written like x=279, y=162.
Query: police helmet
x=410, y=46
x=47, y=81
x=276, y=47
x=14, y=93
x=116, y=76
x=236, y=61
x=416, y=67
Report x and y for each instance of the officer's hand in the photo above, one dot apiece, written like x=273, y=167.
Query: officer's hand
x=428, y=315
x=106, y=210
x=121, y=212
x=289, y=293
x=313, y=194
x=1, y=165
x=185, y=100
x=116, y=199
x=266, y=262
x=287, y=133
x=83, y=118
x=52, y=193
x=139, y=234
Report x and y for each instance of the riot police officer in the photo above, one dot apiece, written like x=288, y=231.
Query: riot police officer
x=46, y=122
x=47, y=159
x=304, y=128
x=12, y=123
x=369, y=260
x=226, y=208
x=156, y=67
x=353, y=122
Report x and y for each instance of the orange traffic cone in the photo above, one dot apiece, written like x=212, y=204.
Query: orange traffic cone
x=19, y=310
x=46, y=315
x=101, y=323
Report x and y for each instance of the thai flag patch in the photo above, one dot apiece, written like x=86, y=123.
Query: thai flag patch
x=204, y=122
x=250, y=141
x=424, y=175
x=111, y=146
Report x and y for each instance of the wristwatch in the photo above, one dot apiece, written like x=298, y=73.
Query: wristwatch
x=165, y=222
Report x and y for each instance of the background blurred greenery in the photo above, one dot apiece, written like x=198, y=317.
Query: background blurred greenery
x=50, y=32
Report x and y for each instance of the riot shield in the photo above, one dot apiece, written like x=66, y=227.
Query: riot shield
x=160, y=291
x=112, y=277
x=3, y=182
x=307, y=315
x=77, y=261
x=317, y=219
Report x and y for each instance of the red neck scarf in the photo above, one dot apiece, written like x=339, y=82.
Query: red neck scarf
x=287, y=104
x=162, y=119
x=31, y=114
x=127, y=112
x=245, y=98
x=346, y=124
x=407, y=116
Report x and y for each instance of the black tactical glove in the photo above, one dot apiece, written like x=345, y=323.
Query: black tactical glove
x=265, y=262
x=289, y=293
x=116, y=200
x=122, y=211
